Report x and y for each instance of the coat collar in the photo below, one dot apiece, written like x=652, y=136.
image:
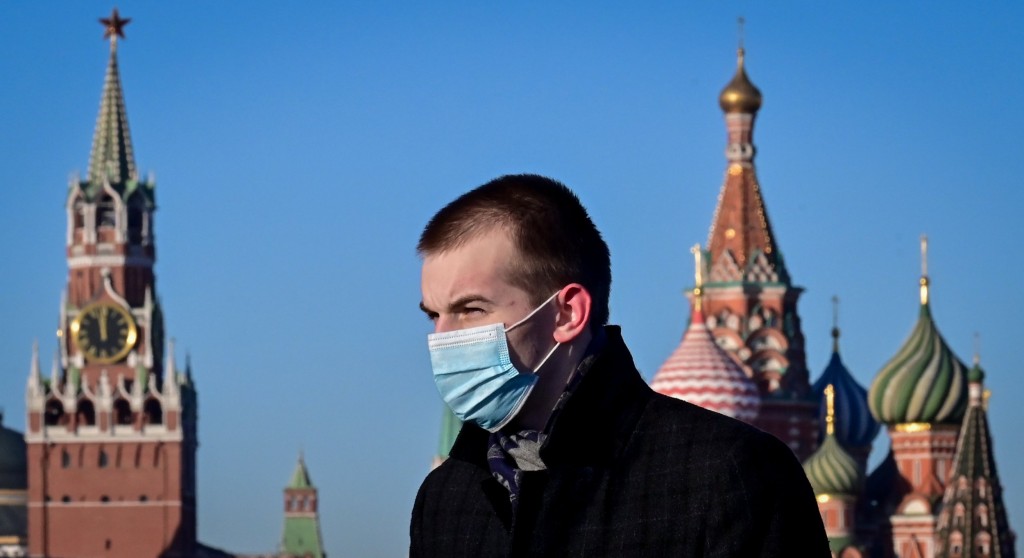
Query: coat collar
x=594, y=425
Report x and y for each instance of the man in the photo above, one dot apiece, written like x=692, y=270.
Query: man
x=565, y=450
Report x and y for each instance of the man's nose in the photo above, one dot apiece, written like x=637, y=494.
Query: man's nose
x=444, y=323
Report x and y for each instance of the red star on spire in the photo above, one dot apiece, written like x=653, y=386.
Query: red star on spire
x=113, y=26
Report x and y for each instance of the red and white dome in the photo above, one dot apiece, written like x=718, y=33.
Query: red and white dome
x=702, y=373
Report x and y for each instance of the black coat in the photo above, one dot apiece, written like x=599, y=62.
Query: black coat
x=629, y=473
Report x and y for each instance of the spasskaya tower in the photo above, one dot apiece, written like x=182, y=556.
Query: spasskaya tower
x=111, y=434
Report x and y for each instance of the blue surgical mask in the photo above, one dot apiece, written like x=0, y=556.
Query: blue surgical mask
x=474, y=373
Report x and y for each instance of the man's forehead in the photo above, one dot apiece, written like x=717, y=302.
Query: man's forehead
x=479, y=266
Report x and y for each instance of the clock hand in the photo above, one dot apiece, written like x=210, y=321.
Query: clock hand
x=103, y=324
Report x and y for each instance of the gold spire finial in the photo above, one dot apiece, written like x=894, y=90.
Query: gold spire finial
x=835, y=324
x=113, y=27
x=924, y=269
x=977, y=348
x=830, y=410
x=698, y=259
x=740, y=21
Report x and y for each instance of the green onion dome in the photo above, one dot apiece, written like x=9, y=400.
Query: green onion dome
x=833, y=471
x=924, y=382
x=976, y=374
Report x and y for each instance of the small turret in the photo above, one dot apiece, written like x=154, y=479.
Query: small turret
x=855, y=427
x=701, y=372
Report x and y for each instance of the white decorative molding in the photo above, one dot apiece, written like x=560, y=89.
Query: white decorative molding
x=152, y=433
x=109, y=260
x=100, y=504
x=108, y=286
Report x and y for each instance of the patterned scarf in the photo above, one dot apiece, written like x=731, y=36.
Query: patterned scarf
x=509, y=455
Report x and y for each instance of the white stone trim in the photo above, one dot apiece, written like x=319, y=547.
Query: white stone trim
x=60, y=434
x=95, y=504
x=108, y=260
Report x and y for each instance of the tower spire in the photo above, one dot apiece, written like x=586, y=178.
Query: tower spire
x=924, y=269
x=830, y=410
x=835, y=324
x=698, y=257
x=111, y=157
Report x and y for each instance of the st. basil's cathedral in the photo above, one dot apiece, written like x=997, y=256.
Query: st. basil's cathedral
x=937, y=492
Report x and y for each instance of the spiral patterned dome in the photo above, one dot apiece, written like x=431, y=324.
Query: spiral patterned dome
x=855, y=427
x=833, y=471
x=701, y=372
x=924, y=382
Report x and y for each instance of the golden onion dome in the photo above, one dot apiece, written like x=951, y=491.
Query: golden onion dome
x=740, y=95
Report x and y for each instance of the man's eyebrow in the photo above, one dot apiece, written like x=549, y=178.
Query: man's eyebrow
x=459, y=303
x=466, y=300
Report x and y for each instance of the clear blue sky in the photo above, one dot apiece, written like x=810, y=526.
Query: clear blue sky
x=299, y=149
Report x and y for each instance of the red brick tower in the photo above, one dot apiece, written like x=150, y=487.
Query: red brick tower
x=112, y=434
x=749, y=301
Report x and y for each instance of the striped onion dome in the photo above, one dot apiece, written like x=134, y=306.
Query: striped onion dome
x=833, y=471
x=855, y=427
x=701, y=372
x=924, y=382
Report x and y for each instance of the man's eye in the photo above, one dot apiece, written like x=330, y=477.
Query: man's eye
x=431, y=316
x=472, y=310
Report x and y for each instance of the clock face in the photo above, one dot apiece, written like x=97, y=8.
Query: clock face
x=104, y=332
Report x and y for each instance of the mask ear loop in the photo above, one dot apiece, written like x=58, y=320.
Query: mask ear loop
x=546, y=357
x=530, y=315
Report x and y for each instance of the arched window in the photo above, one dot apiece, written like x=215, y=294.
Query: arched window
x=122, y=412
x=956, y=544
x=982, y=544
x=86, y=414
x=981, y=512
x=152, y=411
x=65, y=458
x=958, y=515
x=78, y=216
x=54, y=413
x=105, y=216
x=102, y=461
x=136, y=211
x=982, y=487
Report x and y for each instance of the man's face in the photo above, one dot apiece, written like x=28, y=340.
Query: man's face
x=468, y=287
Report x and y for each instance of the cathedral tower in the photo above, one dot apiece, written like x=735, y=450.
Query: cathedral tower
x=973, y=519
x=855, y=428
x=921, y=395
x=749, y=300
x=837, y=479
x=111, y=434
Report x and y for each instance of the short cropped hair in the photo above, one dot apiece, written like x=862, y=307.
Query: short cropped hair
x=557, y=242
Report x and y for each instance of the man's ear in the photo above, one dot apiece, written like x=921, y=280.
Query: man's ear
x=574, y=305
